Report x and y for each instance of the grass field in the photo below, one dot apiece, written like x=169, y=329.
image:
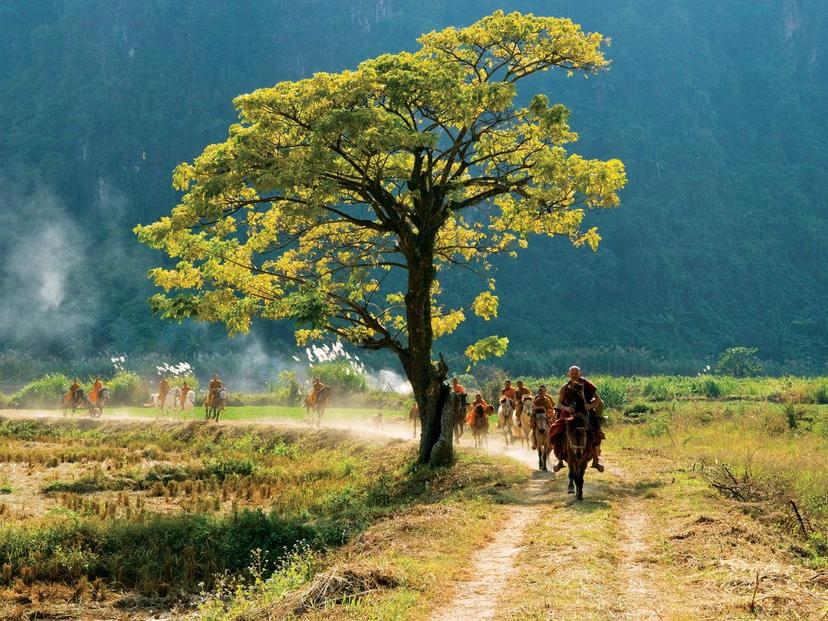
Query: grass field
x=127, y=515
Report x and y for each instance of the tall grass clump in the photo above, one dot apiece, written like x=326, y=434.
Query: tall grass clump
x=47, y=391
x=613, y=391
x=126, y=388
x=821, y=394
x=340, y=375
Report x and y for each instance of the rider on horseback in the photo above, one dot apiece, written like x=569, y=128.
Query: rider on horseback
x=73, y=390
x=542, y=400
x=579, y=395
x=185, y=389
x=479, y=402
x=213, y=390
x=520, y=391
x=163, y=389
x=97, y=386
x=457, y=387
x=318, y=387
x=509, y=392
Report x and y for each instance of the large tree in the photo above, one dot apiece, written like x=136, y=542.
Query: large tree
x=337, y=200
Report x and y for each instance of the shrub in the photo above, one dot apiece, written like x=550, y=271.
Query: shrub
x=710, y=388
x=127, y=388
x=47, y=391
x=613, y=392
x=341, y=375
x=286, y=390
x=821, y=394
x=223, y=467
x=739, y=362
x=658, y=389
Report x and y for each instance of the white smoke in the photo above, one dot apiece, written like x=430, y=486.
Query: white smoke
x=390, y=381
x=49, y=291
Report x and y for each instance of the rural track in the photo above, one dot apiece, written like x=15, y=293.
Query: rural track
x=475, y=597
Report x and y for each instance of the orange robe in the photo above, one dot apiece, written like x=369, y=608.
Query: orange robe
x=96, y=390
x=184, y=390
x=70, y=396
x=163, y=389
x=470, y=413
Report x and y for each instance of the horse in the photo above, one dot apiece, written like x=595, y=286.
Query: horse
x=526, y=405
x=78, y=400
x=459, y=422
x=578, y=451
x=504, y=419
x=171, y=402
x=542, y=437
x=480, y=425
x=189, y=403
x=414, y=418
x=103, y=397
x=316, y=404
x=214, y=404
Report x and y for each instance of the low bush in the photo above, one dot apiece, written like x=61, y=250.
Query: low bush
x=127, y=388
x=820, y=394
x=613, y=392
x=47, y=391
x=341, y=375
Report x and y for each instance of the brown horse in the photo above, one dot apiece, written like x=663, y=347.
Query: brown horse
x=578, y=451
x=316, y=404
x=526, y=405
x=480, y=425
x=542, y=437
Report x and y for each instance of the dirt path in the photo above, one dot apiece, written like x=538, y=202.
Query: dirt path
x=640, y=599
x=492, y=569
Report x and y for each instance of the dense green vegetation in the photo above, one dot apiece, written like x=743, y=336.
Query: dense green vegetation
x=714, y=107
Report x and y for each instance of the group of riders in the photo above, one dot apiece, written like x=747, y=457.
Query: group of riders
x=75, y=393
x=577, y=397
x=211, y=399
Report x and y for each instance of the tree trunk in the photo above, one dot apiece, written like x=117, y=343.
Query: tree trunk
x=426, y=378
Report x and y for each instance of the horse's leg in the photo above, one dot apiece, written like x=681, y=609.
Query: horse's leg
x=579, y=482
x=570, y=489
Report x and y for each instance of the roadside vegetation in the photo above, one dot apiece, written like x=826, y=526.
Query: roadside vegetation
x=169, y=511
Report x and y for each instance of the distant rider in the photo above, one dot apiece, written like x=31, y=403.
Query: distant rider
x=97, y=387
x=542, y=400
x=520, y=392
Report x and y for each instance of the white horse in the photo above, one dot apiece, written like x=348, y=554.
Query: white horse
x=504, y=419
x=172, y=401
x=189, y=403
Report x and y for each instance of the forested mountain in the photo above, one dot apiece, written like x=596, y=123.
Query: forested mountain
x=717, y=108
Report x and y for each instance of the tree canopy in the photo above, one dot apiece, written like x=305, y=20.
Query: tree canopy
x=329, y=185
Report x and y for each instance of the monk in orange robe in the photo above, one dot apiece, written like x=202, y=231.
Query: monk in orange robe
x=97, y=386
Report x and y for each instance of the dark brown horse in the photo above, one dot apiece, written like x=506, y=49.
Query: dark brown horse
x=578, y=449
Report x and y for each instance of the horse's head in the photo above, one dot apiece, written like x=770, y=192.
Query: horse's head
x=527, y=402
x=222, y=393
x=541, y=421
x=576, y=434
x=104, y=394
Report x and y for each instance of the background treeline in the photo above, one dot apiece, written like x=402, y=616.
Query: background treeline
x=716, y=107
